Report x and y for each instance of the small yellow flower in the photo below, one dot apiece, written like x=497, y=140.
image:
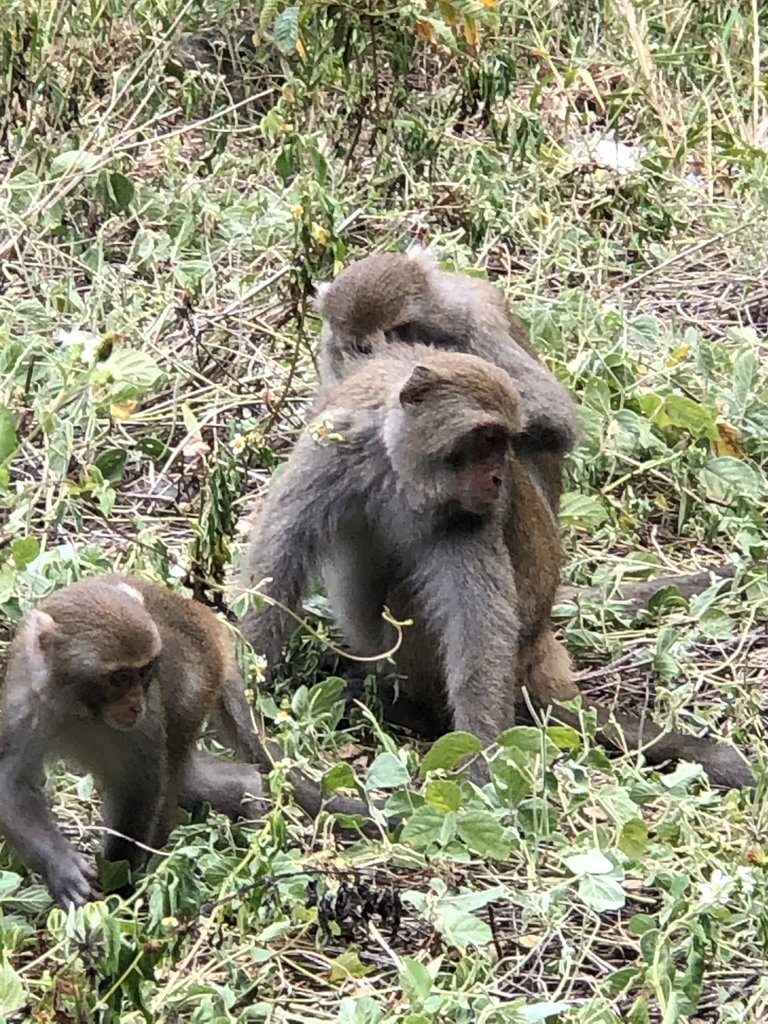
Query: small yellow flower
x=297, y=210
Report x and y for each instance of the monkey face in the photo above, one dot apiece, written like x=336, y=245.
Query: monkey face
x=123, y=693
x=478, y=464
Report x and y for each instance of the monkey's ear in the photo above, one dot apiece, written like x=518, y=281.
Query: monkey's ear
x=421, y=382
x=321, y=290
x=41, y=628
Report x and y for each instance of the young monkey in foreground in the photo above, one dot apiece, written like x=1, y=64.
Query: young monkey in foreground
x=118, y=675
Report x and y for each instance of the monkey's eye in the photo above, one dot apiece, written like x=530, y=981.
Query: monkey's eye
x=122, y=678
x=146, y=672
x=456, y=460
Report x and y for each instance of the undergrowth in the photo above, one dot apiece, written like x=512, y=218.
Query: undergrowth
x=173, y=178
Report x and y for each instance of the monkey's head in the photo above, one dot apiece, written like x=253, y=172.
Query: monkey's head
x=99, y=646
x=371, y=297
x=450, y=435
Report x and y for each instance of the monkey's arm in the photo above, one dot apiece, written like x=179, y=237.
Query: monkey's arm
x=468, y=588
x=26, y=819
x=294, y=532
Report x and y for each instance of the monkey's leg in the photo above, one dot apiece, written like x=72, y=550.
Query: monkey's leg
x=27, y=821
x=229, y=787
x=547, y=674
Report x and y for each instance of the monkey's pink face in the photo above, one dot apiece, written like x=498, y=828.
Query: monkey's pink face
x=124, y=696
x=479, y=465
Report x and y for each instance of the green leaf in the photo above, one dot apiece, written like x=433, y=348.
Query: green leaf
x=447, y=751
x=602, y=893
x=415, y=980
x=323, y=696
x=24, y=550
x=633, y=839
x=341, y=776
x=387, y=772
x=687, y=414
x=349, y=965
x=484, y=834
x=639, y=924
x=130, y=366
x=684, y=774
x=423, y=827
x=285, y=30
x=443, y=794
x=111, y=463
x=122, y=191
x=77, y=160
x=581, y=512
x=564, y=737
x=527, y=738
x=12, y=993
x=463, y=929
x=591, y=863
x=726, y=477
x=9, y=441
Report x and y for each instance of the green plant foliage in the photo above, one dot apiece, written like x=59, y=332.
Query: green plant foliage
x=174, y=178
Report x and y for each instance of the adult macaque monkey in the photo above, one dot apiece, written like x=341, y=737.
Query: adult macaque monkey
x=118, y=674
x=388, y=302
x=399, y=494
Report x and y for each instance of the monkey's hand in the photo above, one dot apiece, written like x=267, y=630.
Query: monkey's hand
x=71, y=879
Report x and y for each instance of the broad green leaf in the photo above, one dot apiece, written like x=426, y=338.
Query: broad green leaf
x=484, y=834
x=581, y=511
x=423, y=827
x=74, y=160
x=639, y=924
x=129, y=366
x=360, y=1010
x=592, y=863
x=692, y=416
x=349, y=965
x=601, y=893
x=122, y=191
x=323, y=696
x=341, y=776
x=633, y=840
x=24, y=550
x=387, y=772
x=443, y=794
x=12, y=993
x=285, y=30
x=415, y=980
x=447, y=751
x=111, y=463
x=725, y=477
x=527, y=738
x=564, y=737
x=463, y=929
x=9, y=441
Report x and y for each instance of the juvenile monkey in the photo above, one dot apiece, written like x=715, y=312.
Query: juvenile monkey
x=118, y=674
x=387, y=300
